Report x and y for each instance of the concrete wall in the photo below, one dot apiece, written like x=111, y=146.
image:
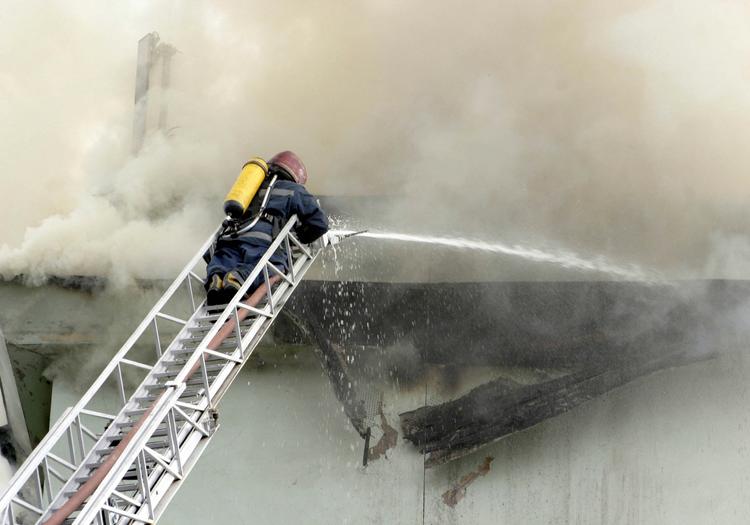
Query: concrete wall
x=667, y=448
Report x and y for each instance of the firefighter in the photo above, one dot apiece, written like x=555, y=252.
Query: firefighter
x=235, y=255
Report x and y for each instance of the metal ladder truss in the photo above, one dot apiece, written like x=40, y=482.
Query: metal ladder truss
x=136, y=458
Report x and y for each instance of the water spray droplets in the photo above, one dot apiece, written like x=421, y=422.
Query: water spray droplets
x=566, y=259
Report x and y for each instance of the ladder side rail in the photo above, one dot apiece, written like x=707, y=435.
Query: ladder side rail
x=158, y=476
x=68, y=419
x=118, y=470
x=166, y=487
x=165, y=483
x=283, y=291
x=199, y=353
x=161, y=478
x=193, y=444
x=255, y=333
x=304, y=261
x=280, y=295
x=129, y=456
x=306, y=254
x=113, y=431
x=36, y=458
x=286, y=231
x=185, y=441
x=191, y=441
x=147, y=321
x=159, y=472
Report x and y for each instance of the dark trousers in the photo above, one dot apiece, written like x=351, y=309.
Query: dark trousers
x=241, y=256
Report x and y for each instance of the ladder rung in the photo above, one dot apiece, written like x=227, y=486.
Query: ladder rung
x=200, y=331
x=197, y=380
x=82, y=479
x=136, y=411
x=192, y=339
x=181, y=351
x=173, y=373
x=184, y=351
x=140, y=411
x=103, y=452
x=208, y=318
x=69, y=493
x=131, y=472
x=227, y=346
x=247, y=322
x=126, y=425
x=144, y=399
x=194, y=342
x=159, y=445
x=168, y=375
x=214, y=311
x=196, y=395
x=149, y=399
x=157, y=386
x=93, y=465
x=191, y=343
x=180, y=362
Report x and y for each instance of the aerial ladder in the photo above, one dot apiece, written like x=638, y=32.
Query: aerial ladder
x=117, y=465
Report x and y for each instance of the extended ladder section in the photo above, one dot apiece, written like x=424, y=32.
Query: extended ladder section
x=120, y=461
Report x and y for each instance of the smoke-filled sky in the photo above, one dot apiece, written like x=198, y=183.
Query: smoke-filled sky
x=613, y=128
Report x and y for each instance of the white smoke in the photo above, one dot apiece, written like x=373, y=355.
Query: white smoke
x=144, y=225
x=606, y=127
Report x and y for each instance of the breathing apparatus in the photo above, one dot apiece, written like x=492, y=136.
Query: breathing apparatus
x=242, y=193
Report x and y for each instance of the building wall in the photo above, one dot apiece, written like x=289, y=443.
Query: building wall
x=667, y=448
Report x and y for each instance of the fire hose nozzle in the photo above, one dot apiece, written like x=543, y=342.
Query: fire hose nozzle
x=336, y=237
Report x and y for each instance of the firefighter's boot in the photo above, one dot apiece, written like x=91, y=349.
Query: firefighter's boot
x=215, y=293
x=231, y=285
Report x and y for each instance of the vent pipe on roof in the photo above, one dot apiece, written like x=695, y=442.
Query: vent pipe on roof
x=154, y=59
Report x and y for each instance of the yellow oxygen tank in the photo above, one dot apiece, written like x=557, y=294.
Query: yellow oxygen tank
x=245, y=187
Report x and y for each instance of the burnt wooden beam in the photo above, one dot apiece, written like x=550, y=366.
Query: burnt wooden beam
x=492, y=411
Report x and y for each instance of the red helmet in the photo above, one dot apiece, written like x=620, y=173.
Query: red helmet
x=292, y=164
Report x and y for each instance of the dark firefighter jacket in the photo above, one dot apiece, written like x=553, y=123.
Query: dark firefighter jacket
x=287, y=198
